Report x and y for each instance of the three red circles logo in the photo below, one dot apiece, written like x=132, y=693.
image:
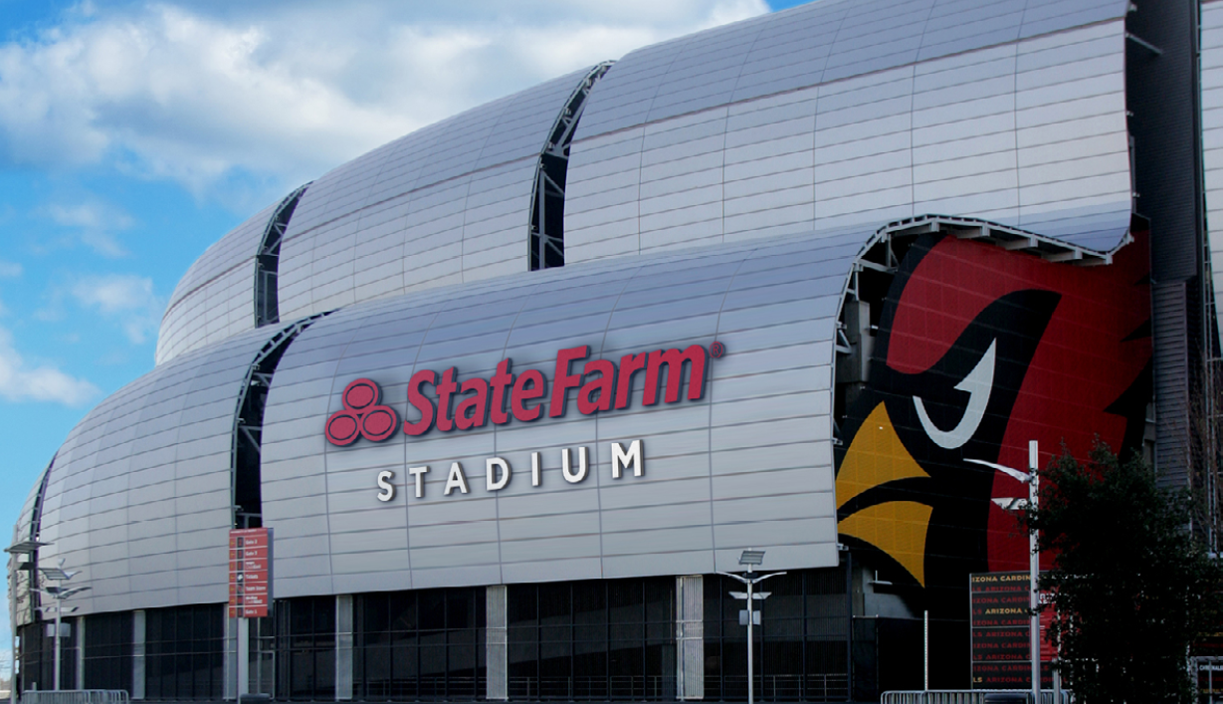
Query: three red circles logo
x=362, y=416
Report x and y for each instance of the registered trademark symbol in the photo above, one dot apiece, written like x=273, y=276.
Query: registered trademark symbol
x=717, y=349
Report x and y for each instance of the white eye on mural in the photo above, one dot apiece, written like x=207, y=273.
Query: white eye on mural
x=978, y=384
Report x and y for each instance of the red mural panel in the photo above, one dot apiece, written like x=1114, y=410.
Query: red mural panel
x=978, y=351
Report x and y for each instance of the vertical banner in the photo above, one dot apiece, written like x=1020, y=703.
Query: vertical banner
x=1001, y=645
x=250, y=572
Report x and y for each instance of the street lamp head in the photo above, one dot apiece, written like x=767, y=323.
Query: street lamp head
x=752, y=557
x=57, y=574
x=24, y=547
x=1025, y=477
x=67, y=593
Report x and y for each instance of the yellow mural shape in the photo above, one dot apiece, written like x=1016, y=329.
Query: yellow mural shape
x=898, y=528
x=876, y=456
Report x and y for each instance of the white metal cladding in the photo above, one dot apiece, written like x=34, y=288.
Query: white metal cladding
x=813, y=44
x=1212, y=139
x=749, y=465
x=449, y=203
x=139, y=497
x=22, y=531
x=1028, y=131
x=215, y=299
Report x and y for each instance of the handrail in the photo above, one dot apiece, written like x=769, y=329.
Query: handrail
x=966, y=696
x=76, y=696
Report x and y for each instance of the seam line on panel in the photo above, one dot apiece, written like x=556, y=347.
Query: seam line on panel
x=602, y=347
x=497, y=497
x=466, y=211
x=407, y=512
x=713, y=536
x=326, y=473
x=726, y=131
x=1015, y=127
x=641, y=150
x=361, y=212
x=912, y=99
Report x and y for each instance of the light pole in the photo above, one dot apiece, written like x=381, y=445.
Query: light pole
x=60, y=594
x=27, y=548
x=1030, y=478
x=750, y=558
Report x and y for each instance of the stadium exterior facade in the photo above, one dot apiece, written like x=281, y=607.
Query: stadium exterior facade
x=512, y=390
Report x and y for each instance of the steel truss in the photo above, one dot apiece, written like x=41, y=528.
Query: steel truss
x=547, y=241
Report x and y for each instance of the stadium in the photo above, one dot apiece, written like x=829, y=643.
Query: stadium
x=514, y=391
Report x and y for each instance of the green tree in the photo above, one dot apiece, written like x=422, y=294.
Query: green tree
x=1131, y=586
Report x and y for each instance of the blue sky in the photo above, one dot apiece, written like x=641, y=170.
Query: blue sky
x=133, y=135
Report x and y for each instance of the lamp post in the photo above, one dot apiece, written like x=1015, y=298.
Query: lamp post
x=1033, y=481
x=27, y=548
x=60, y=594
x=750, y=558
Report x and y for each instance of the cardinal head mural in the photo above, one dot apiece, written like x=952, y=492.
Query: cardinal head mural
x=977, y=351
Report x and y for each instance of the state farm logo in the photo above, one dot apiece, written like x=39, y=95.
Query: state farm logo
x=441, y=401
x=361, y=416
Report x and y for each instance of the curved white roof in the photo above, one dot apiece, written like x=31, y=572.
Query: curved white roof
x=849, y=113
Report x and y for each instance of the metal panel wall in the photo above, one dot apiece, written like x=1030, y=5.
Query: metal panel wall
x=449, y=203
x=26, y=528
x=750, y=464
x=1164, y=95
x=1030, y=133
x=814, y=44
x=1212, y=139
x=139, y=498
x=215, y=299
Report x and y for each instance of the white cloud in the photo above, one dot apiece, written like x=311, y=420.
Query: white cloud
x=126, y=298
x=21, y=382
x=96, y=223
x=90, y=216
x=200, y=92
x=10, y=270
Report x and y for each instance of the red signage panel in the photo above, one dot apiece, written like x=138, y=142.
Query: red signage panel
x=1001, y=632
x=250, y=572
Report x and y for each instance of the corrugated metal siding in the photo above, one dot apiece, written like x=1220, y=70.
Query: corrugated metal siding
x=1163, y=93
x=449, y=203
x=1212, y=138
x=1171, y=356
x=749, y=464
x=1032, y=133
x=139, y=498
x=215, y=299
x=813, y=44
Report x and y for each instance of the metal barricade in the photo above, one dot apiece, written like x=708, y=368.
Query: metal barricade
x=76, y=696
x=968, y=696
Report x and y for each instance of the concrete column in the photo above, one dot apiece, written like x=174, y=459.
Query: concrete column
x=229, y=664
x=690, y=637
x=80, y=653
x=343, y=647
x=138, y=671
x=496, y=653
x=243, y=663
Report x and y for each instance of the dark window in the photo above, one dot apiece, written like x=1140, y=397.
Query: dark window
x=108, y=651
x=305, y=648
x=801, y=644
x=37, y=647
x=592, y=640
x=184, y=652
x=426, y=644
